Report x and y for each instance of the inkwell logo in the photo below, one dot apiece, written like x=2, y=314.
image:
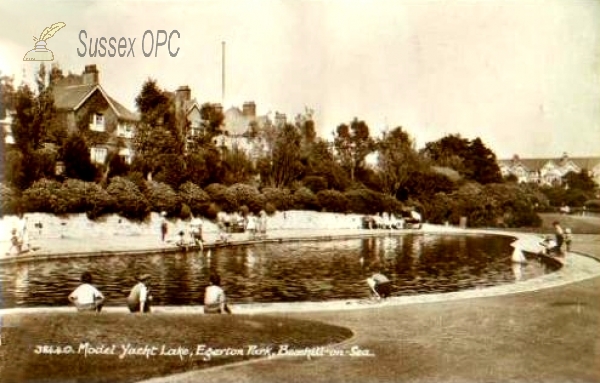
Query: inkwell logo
x=40, y=52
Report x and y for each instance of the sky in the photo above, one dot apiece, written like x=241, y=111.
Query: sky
x=524, y=76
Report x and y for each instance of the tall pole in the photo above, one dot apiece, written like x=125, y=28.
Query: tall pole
x=223, y=73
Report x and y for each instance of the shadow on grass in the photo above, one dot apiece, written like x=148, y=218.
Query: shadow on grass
x=91, y=348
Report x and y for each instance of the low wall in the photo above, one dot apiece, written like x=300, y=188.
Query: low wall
x=41, y=225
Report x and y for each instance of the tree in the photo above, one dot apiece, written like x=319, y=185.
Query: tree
x=157, y=134
x=283, y=165
x=76, y=158
x=482, y=163
x=353, y=143
x=472, y=159
x=397, y=160
x=581, y=181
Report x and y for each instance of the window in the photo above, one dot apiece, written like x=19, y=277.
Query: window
x=98, y=155
x=124, y=130
x=97, y=122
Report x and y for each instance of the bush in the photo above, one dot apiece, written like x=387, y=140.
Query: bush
x=10, y=203
x=195, y=198
x=185, y=212
x=304, y=199
x=161, y=197
x=270, y=208
x=43, y=197
x=85, y=197
x=281, y=199
x=593, y=205
x=129, y=201
x=364, y=201
x=222, y=196
x=315, y=183
x=138, y=179
x=249, y=196
x=212, y=211
x=333, y=201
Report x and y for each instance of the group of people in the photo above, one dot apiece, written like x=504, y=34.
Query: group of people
x=86, y=297
x=561, y=237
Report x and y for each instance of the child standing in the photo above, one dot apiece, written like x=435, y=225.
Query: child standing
x=568, y=239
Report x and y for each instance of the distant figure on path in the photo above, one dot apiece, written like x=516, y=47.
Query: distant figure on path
x=22, y=233
x=215, y=301
x=196, y=226
x=86, y=297
x=380, y=285
x=164, y=226
x=139, y=298
x=560, y=236
x=15, y=244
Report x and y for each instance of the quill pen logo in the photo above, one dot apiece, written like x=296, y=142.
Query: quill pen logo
x=40, y=52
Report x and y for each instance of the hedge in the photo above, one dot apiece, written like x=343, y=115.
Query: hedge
x=195, y=198
x=333, y=201
x=161, y=197
x=129, y=201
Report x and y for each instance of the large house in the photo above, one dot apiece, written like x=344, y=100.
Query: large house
x=239, y=126
x=81, y=103
x=549, y=171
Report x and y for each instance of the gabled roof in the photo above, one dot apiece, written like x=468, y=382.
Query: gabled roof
x=537, y=163
x=71, y=98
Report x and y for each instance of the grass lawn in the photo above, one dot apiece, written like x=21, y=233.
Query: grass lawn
x=577, y=223
x=159, y=343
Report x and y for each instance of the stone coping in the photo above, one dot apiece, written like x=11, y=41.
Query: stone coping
x=576, y=267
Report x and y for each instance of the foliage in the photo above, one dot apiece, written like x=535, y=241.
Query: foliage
x=185, y=212
x=10, y=202
x=364, y=201
x=129, y=201
x=222, y=196
x=157, y=134
x=117, y=166
x=171, y=170
x=237, y=166
x=43, y=196
x=397, y=160
x=194, y=197
x=79, y=196
x=249, y=196
x=593, y=205
x=472, y=159
x=353, y=143
x=284, y=165
x=212, y=211
x=304, y=199
x=333, y=201
x=161, y=197
x=581, y=181
x=315, y=183
x=76, y=158
x=281, y=199
x=270, y=208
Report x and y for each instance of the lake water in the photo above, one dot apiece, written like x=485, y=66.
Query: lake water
x=279, y=272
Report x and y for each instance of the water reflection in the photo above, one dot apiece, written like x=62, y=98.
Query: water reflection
x=307, y=271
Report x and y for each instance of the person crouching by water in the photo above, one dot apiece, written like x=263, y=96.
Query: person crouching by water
x=380, y=285
x=86, y=297
x=215, y=301
x=139, y=298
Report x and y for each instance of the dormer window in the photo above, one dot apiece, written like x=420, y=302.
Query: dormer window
x=97, y=122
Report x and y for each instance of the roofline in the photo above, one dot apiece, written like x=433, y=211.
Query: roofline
x=104, y=94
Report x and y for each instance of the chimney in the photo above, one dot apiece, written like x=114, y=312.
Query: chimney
x=249, y=109
x=183, y=93
x=90, y=75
